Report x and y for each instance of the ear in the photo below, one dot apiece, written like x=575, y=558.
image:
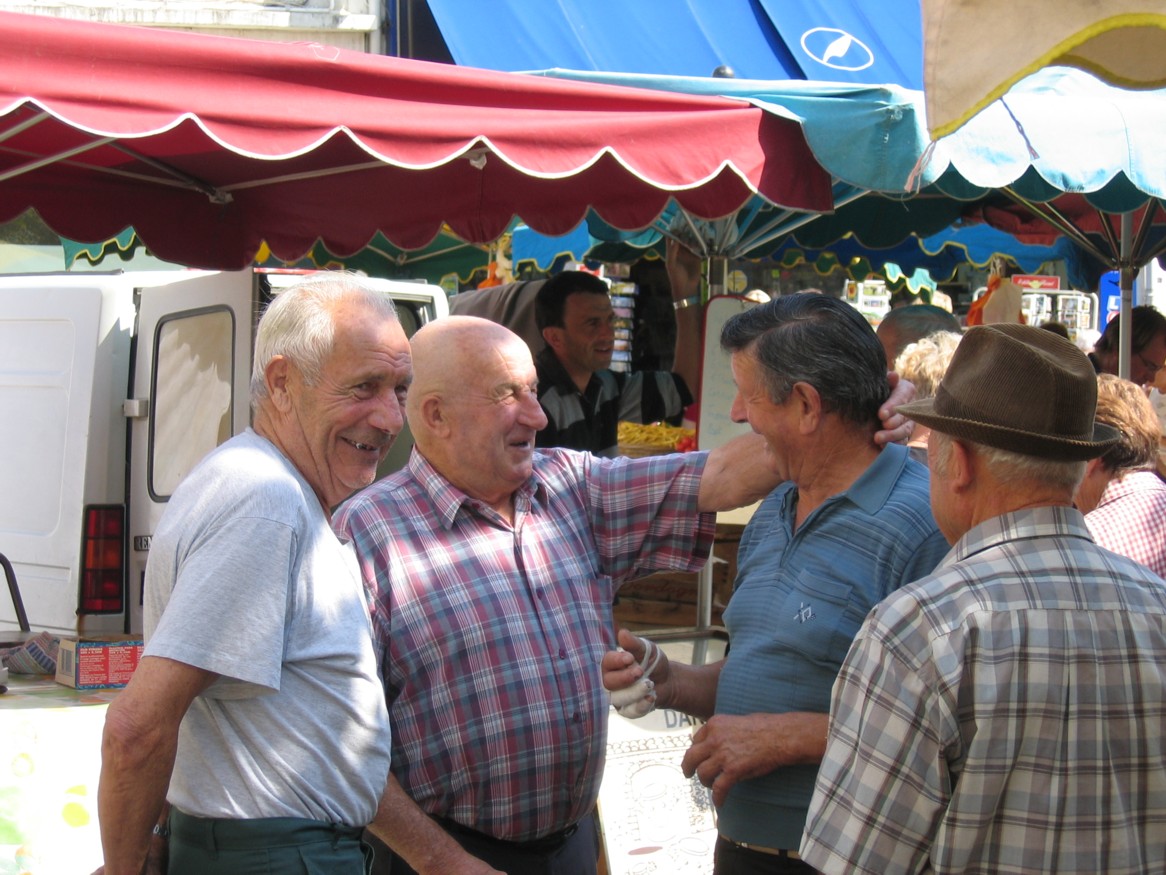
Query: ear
x=808, y=407
x=553, y=335
x=961, y=466
x=433, y=415
x=277, y=375
x=1092, y=485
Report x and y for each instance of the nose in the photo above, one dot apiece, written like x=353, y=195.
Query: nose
x=388, y=416
x=533, y=414
x=737, y=410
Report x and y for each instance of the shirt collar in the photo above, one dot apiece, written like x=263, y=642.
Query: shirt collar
x=1133, y=481
x=874, y=486
x=551, y=372
x=871, y=490
x=448, y=499
x=1033, y=522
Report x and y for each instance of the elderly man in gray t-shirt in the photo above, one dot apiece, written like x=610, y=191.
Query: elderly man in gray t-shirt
x=257, y=709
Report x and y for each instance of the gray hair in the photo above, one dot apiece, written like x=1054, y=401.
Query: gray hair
x=819, y=340
x=299, y=325
x=1008, y=466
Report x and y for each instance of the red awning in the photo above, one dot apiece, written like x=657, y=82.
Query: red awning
x=208, y=146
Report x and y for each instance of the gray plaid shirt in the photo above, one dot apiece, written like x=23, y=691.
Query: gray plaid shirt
x=1005, y=714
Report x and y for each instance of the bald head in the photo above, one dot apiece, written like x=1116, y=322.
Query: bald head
x=473, y=406
x=451, y=352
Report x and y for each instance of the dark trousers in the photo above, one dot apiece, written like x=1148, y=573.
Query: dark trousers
x=266, y=846
x=730, y=859
x=577, y=854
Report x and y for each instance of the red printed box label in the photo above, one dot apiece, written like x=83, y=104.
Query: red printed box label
x=106, y=665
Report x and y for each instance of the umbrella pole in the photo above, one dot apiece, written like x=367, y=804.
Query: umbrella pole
x=718, y=276
x=1126, y=272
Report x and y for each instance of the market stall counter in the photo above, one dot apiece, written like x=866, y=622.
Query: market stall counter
x=50, y=761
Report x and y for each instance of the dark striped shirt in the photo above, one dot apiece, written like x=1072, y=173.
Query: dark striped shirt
x=589, y=420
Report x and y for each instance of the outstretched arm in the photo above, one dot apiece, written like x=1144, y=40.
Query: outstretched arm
x=736, y=474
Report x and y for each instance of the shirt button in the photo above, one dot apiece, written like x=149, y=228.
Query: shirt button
x=562, y=653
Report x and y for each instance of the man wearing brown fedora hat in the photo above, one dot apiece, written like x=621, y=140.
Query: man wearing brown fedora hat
x=1004, y=714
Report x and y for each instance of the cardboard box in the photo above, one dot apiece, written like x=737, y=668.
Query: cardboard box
x=97, y=663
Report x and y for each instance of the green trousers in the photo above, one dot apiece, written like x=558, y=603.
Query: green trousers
x=268, y=846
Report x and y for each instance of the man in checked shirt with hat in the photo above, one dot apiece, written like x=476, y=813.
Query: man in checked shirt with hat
x=1004, y=714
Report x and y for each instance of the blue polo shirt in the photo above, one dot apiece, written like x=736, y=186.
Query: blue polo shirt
x=798, y=602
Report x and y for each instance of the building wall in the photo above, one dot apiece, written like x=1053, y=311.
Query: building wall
x=350, y=24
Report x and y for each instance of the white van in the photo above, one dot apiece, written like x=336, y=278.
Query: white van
x=112, y=386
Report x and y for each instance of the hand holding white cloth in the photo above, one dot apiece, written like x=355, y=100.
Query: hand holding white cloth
x=639, y=698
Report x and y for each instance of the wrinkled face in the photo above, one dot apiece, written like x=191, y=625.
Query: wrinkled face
x=588, y=332
x=342, y=427
x=1147, y=362
x=753, y=404
x=493, y=421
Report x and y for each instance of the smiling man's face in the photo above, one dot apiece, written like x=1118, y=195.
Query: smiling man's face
x=588, y=332
x=342, y=426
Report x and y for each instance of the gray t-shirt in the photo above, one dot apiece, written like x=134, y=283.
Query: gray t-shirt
x=247, y=579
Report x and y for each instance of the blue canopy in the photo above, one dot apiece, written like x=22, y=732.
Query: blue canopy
x=1059, y=137
x=871, y=41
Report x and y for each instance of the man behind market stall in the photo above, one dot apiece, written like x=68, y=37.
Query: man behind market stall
x=491, y=569
x=584, y=400
x=1004, y=713
x=848, y=524
x=257, y=709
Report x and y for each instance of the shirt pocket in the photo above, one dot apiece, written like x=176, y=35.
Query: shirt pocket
x=816, y=617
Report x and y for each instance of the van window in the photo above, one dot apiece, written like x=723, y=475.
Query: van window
x=191, y=393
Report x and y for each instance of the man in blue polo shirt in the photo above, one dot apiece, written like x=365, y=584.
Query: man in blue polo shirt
x=851, y=524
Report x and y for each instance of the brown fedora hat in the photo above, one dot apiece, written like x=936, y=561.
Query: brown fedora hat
x=1018, y=388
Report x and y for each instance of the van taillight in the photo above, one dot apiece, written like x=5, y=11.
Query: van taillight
x=102, y=566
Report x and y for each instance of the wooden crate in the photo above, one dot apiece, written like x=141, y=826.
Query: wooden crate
x=670, y=598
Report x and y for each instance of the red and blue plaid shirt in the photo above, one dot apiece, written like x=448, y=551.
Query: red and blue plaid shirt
x=491, y=634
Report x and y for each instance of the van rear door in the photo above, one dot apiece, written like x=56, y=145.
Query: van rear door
x=189, y=394
x=64, y=348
